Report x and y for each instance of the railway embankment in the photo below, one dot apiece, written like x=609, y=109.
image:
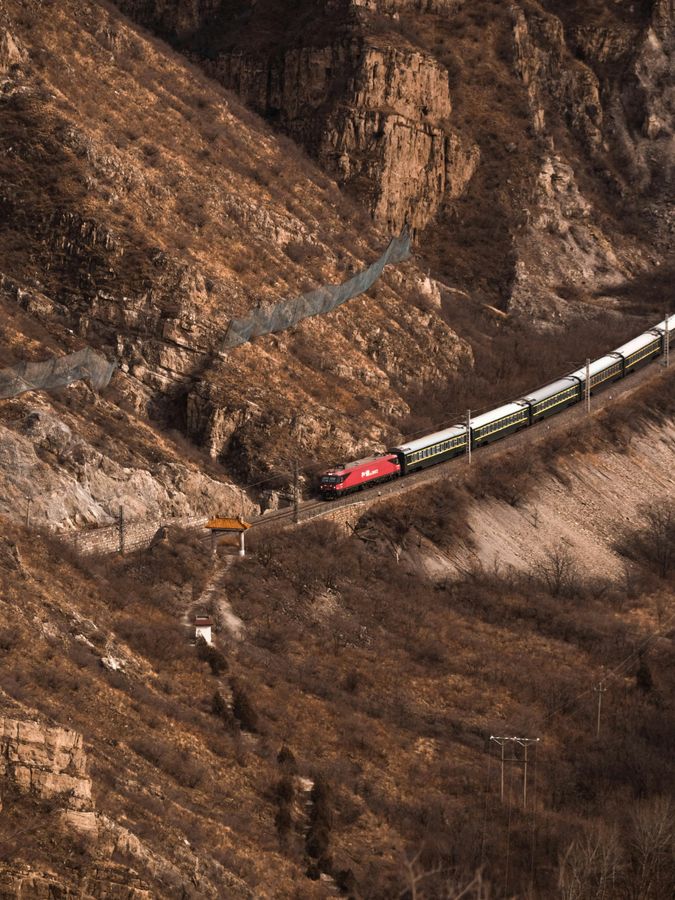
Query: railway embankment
x=616, y=414
x=573, y=519
x=556, y=498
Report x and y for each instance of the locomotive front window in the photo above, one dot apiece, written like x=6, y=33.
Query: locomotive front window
x=331, y=479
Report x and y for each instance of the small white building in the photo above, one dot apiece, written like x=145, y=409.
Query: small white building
x=203, y=626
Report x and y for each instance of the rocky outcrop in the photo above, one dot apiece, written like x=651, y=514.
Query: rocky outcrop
x=650, y=97
x=553, y=77
x=111, y=883
x=50, y=764
x=393, y=7
x=69, y=483
x=11, y=51
x=420, y=106
x=386, y=130
x=562, y=244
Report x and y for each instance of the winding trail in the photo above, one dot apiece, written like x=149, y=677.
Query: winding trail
x=214, y=598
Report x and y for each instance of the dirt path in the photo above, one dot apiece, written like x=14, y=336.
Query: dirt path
x=214, y=598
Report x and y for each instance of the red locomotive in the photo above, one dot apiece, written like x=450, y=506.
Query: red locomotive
x=343, y=479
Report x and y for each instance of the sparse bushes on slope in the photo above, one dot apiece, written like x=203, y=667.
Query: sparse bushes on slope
x=177, y=763
x=242, y=707
x=652, y=544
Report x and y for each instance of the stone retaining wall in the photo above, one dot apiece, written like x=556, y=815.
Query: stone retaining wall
x=101, y=541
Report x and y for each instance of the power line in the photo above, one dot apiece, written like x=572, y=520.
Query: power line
x=615, y=671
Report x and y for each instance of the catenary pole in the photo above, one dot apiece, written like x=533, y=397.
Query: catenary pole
x=296, y=493
x=468, y=434
x=666, y=344
x=587, y=386
x=121, y=529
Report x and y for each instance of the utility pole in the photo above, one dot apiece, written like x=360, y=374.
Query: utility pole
x=28, y=506
x=296, y=493
x=502, y=743
x=600, y=690
x=120, y=528
x=523, y=742
x=526, y=743
x=468, y=434
x=588, y=386
x=666, y=344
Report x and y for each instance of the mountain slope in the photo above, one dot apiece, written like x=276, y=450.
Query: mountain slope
x=145, y=208
x=529, y=143
x=361, y=664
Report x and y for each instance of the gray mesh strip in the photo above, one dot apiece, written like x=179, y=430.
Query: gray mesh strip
x=287, y=313
x=56, y=373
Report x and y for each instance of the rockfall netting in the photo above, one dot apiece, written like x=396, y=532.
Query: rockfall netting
x=279, y=316
x=84, y=365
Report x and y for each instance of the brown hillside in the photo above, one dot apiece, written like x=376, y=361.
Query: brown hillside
x=380, y=675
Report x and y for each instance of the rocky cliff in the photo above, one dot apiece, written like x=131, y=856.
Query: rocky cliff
x=164, y=210
x=44, y=782
x=446, y=115
x=387, y=135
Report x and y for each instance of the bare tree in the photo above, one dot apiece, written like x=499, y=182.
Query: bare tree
x=433, y=881
x=653, y=846
x=558, y=571
x=591, y=866
x=660, y=538
x=653, y=543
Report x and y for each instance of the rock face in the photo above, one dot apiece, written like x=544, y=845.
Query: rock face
x=510, y=139
x=70, y=483
x=145, y=248
x=552, y=77
x=374, y=114
x=49, y=763
x=409, y=103
x=387, y=130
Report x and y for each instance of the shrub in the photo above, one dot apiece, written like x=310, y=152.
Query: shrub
x=176, y=762
x=284, y=790
x=242, y=707
x=213, y=656
x=159, y=641
x=653, y=544
x=220, y=708
x=286, y=759
x=9, y=638
x=283, y=821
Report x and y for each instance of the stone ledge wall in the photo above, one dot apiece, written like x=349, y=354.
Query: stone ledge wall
x=105, y=540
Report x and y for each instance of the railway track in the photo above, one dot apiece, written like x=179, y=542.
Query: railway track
x=457, y=468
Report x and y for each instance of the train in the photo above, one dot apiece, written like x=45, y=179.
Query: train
x=432, y=449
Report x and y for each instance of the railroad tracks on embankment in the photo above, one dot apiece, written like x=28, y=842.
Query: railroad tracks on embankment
x=455, y=470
